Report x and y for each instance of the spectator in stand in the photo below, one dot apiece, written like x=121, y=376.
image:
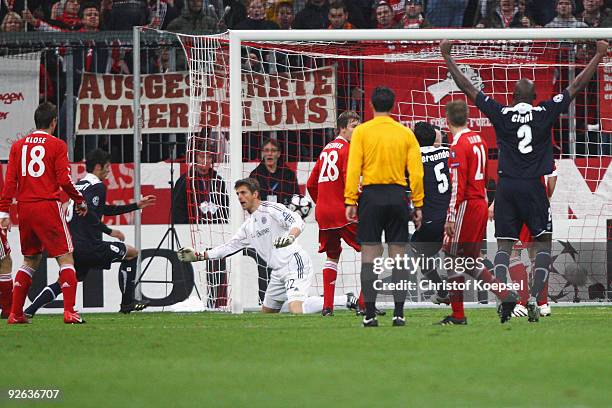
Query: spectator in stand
x=593, y=13
x=194, y=18
x=278, y=182
x=159, y=19
x=384, y=16
x=338, y=16
x=565, y=18
x=89, y=22
x=398, y=7
x=235, y=14
x=65, y=14
x=503, y=14
x=209, y=202
x=606, y=19
x=12, y=23
x=314, y=16
x=445, y=13
x=523, y=19
x=285, y=15
x=413, y=16
x=125, y=14
x=256, y=18
x=543, y=11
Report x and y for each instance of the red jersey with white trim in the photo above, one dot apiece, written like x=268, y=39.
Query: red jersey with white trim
x=468, y=169
x=326, y=184
x=38, y=167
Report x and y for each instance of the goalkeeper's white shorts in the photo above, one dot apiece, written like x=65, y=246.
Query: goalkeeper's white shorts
x=290, y=283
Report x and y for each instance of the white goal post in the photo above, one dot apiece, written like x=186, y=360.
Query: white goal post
x=237, y=38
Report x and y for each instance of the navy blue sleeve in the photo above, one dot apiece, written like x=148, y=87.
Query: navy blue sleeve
x=557, y=104
x=490, y=107
x=95, y=195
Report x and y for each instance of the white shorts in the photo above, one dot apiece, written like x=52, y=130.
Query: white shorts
x=291, y=283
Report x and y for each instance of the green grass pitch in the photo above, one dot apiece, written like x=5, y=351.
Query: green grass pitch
x=254, y=360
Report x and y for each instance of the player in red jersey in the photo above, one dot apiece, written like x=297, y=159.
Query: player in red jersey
x=466, y=221
x=327, y=180
x=37, y=169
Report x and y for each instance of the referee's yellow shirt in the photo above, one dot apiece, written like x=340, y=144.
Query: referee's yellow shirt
x=381, y=152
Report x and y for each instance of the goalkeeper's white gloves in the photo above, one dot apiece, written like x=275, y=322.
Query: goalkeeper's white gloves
x=282, y=242
x=187, y=254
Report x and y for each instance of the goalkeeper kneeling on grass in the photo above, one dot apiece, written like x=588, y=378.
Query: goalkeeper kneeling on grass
x=272, y=230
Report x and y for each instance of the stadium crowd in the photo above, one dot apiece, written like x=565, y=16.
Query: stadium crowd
x=219, y=15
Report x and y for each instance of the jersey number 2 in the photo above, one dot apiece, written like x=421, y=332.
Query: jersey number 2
x=524, y=133
x=35, y=167
x=329, y=169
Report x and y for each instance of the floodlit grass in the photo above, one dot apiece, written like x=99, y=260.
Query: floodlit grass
x=253, y=360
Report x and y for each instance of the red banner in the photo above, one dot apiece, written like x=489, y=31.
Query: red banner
x=422, y=89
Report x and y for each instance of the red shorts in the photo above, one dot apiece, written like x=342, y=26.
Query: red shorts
x=470, y=227
x=5, y=249
x=525, y=238
x=42, y=226
x=329, y=240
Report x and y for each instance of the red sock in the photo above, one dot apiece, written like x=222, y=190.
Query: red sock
x=456, y=297
x=518, y=274
x=543, y=296
x=68, y=282
x=330, y=272
x=361, y=302
x=6, y=294
x=485, y=276
x=23, y=281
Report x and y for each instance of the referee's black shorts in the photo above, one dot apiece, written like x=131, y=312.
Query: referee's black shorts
x=383, y=207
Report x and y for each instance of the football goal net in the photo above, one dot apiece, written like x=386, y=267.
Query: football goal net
x=265, y=104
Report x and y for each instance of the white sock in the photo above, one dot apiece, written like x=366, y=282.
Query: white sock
x=312, y=304
x=340, y=300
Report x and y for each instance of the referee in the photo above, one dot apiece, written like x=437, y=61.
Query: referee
x=382, y=154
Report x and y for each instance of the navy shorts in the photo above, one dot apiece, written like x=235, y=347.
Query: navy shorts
x=427, y=240
x=383, y=208
x=100, y=256
x=518, y=202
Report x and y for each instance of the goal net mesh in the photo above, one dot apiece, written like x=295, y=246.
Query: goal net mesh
x=292, y=93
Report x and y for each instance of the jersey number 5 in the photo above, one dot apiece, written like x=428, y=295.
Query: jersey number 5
x=441, y=178
x=35, y=167
x=329, y=169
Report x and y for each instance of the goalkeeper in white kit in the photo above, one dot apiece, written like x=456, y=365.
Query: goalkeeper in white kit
x=272, y=230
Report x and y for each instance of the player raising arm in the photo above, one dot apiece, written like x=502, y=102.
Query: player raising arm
x=38, y=168
x=90, y=250
x=466, y=220
x=271, y=229
x=524, y=139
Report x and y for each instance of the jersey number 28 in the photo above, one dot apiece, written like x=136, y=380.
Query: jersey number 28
x=329, y=168
x=34, y=167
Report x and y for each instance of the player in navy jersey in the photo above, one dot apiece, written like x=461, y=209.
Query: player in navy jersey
x=90, y=251
x=427, y=240
x=524, y=138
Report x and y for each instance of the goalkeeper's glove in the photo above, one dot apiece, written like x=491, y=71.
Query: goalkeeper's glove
x=282, y=242
x=187, y=254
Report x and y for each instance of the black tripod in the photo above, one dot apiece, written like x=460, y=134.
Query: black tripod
x=170, y=234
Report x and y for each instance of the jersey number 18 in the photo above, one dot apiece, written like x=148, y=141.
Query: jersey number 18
x=35, y=167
